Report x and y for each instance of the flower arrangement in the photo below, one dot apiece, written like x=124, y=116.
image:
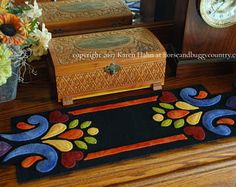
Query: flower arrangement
x=21, y=40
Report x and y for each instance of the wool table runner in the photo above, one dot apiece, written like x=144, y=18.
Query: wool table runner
x=64, y=140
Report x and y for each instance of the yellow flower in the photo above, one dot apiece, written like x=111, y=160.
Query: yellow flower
x=12, y=30
x=3, y=6
x=5, y=64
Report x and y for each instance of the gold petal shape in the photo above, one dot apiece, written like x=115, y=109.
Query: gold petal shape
x=194, y=118
x=158, y=117
x=55, y=130
x=93, y=131
x=61, y=145
x=185, y=106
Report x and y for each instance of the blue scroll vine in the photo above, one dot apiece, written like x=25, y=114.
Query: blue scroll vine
x=44, y=142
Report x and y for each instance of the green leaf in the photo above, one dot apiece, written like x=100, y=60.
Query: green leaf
x=166, y=123
x=90, y=140
x=158, y=110
x=179, y=123
x=167, y=106
x=33, y=25
x=16, y=10
x=85, y=124
x=74, y=124
x=81, y=144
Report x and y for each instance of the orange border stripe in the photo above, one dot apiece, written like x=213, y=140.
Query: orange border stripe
x=114, y=106
x=132, y=147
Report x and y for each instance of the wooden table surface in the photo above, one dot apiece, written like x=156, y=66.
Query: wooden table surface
x=211, y=164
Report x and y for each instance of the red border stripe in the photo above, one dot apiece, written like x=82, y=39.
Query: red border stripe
x=114, y=106
x=126, y=148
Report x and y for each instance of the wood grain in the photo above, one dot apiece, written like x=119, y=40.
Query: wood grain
x=163, y=30
x=170, y=31
x=202, y=69
x=87, y=74
x=201, y=38
x=181, y=8
x=212, y=164
x=71, y=15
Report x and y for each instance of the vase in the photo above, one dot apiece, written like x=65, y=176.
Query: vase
x=8, y=90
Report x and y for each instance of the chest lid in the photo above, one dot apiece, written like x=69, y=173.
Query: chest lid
x=78, y=13
x=88, y=51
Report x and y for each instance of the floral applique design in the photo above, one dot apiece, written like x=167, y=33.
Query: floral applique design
x=190, y=113
x=56, y=141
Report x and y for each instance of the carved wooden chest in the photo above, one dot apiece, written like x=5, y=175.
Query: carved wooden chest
x=106, y=62
x=77, y=15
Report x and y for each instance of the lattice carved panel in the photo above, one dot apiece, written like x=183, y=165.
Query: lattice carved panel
x=98, y=80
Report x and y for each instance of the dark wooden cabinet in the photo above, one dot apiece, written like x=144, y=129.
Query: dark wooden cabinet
x=201, y=38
